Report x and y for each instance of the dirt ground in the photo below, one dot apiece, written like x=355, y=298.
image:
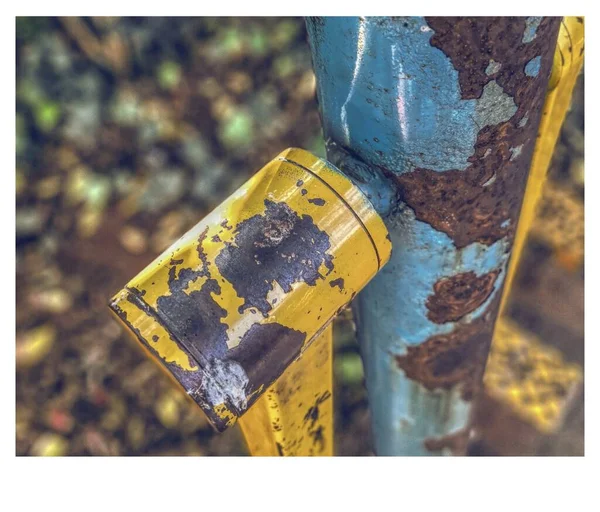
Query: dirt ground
x=130, y=130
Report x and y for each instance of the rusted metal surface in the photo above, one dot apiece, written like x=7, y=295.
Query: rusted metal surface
x=436, y=120
x=456, y=296
x=567, y=64
x=241, y=296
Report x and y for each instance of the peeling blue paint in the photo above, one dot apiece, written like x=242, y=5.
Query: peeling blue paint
x=493, y=67
x=531, y=25
x=395, y=99
x=402, y=410
x=421, y=257
x=532, y=68
x=391, y=315
x=516, y=152
x=390, y=103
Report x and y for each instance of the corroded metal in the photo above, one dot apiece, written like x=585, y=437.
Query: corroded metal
x=240, y=297
x=523, y=377
x=294, y=417
x=567, y=64
x=435, y=119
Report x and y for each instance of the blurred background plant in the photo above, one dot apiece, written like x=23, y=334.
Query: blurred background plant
x=130, y=130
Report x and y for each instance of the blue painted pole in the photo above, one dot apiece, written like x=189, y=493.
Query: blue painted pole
x=436, y=120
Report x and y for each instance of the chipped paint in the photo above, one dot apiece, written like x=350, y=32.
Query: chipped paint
x=415, y=266
x=294, y=417
x=494, y=106
x=234, y=302
x=232, y=376
x=515, y=153
x=493, y=67
x=396, y=124
x=280, y=247
x=532, y=68
x=531, y=25
x=432, y=117
x=566, y=66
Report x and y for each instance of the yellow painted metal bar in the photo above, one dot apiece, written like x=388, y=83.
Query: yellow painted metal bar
x=295, y=415
x=568, y=61
x=238, y=309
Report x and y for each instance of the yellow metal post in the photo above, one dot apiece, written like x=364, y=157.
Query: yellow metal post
x=238, y=309
x=295, y=415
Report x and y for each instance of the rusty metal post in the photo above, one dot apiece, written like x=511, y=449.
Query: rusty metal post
x=436, y=120
x=523, y=375
x=294, y=417
x=568, y=62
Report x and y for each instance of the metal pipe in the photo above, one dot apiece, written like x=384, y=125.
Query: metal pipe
x=294, y=417
x=231, y=309
x=435, y=119
x=568, y=61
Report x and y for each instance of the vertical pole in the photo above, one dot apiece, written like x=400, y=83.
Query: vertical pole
x=568, y=61
x=436, y=120
x=524, y=376
x=294, y=417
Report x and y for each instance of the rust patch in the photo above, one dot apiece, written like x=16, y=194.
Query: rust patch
x=473, y=205
x=454, y=359
x=458, y=295
x=317, y=200
x=278, y=246
x=471, y=42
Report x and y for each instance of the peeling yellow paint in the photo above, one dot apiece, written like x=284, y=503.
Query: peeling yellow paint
x=281, y=422
x=354, y=245
x=155, y=334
